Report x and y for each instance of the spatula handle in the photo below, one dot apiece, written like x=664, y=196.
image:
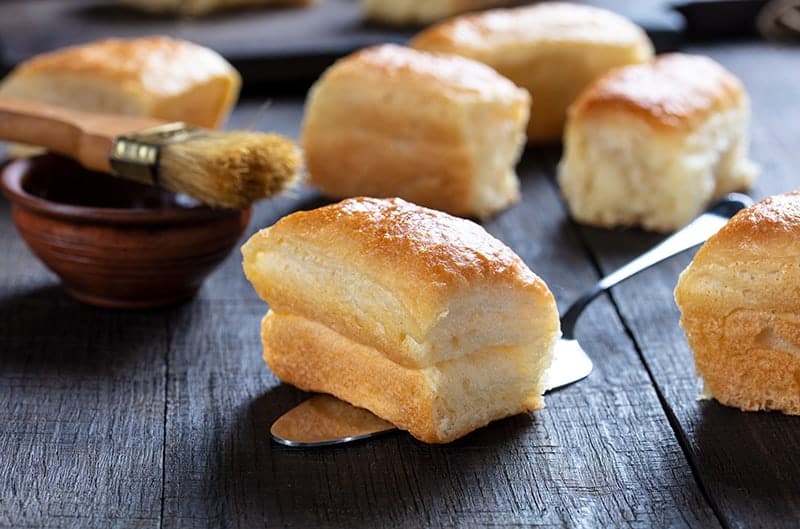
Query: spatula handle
x=83, y=136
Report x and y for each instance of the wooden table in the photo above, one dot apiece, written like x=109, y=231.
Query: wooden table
x=160, y=418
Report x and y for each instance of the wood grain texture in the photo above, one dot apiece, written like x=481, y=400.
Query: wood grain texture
x=747, y=462
x=81, y=404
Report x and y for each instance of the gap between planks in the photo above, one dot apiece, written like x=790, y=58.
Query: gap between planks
x=167, y=349
x=674, y=424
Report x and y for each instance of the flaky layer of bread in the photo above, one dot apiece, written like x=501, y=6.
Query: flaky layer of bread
x=554, y=50
x=436, y=404
x=417, y=284
x=739, y=301
x=675, y=92
x=651, y=145
x=160, y=77
x=440, y=131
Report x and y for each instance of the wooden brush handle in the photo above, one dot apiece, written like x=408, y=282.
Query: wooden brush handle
x=83, y=136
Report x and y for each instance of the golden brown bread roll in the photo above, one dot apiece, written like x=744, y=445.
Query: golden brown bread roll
x=422, y=318
x=553, y=49
x=203, y=7
x=420, y=11
x=441, y=131
x=160, y=77
x=650, y=145
x=740, y=308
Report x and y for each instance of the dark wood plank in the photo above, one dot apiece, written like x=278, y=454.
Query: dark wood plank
x=81, y=404
x=747, y=462
x=601, y=454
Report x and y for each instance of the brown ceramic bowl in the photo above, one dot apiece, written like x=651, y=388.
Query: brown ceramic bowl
x=115, y=243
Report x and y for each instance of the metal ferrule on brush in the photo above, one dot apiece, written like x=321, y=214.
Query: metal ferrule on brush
x=136, y=155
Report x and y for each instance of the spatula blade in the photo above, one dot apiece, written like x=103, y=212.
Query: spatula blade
x=570, y=364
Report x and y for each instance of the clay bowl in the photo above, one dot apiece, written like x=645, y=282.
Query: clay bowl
x=115, y=243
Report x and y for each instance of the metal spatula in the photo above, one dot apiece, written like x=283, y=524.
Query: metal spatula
x=323, y=420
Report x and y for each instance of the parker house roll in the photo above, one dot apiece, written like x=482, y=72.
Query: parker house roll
x=422, y=318
x=553, y=49
x=740, y=308
x=441, y=131
x=420, y=11
x=650, y=145
x=160, y=77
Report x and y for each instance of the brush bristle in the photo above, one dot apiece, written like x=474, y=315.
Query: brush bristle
x=230, y=169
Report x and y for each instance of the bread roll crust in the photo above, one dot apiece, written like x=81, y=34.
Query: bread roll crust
x=739, y=303
x=155, y=76
x=498, y=31
x=422, y=318
x=432, y=74
x=553, y=49
x=440, y=131
x=674, y=92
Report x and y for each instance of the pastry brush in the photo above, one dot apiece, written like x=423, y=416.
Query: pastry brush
x=223, y=169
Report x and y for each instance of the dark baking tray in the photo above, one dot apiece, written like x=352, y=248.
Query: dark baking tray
x=266, y=45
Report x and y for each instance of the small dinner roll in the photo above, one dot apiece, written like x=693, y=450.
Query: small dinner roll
x=650, y=145
x=160, y=77
x=740, y=308
x=422, y=318
x=553, y=49
x=402, y=12
x=441, y=131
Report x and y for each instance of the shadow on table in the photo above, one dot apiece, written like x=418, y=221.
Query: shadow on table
x=383, y=482
x=749, y=462
x=44, y=330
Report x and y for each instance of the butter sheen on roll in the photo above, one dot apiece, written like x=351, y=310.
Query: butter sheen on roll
x=651, y=145
x=553, y=49
x=440, y=131
x=740, y=308
x=422, y=318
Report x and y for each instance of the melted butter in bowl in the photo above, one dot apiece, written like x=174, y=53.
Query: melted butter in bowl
x=116, y=243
